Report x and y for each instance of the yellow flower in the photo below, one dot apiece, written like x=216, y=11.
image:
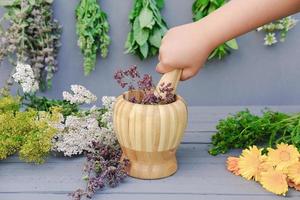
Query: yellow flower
x=232, y=165
x=274, y=181
x=293, y=185
x=250, y=163
x=282, y=157
x=294, y=172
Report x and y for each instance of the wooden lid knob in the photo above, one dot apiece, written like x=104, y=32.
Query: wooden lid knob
x=171, y=77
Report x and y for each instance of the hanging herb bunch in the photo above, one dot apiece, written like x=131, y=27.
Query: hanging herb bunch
x=280, y=27
x=32, y=38
x=202, y=8
x=92, y=30
x=147, y=28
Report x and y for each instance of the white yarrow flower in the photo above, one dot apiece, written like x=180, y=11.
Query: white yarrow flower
x=76, y=134
x=25, y=77
x=80, y=95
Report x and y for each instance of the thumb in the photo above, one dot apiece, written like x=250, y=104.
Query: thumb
x=161, y=68
x=188, y=73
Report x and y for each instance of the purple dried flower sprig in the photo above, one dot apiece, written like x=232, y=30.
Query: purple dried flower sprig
x=132, y=79
x=103, y=167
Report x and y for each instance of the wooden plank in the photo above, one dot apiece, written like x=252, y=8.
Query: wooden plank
x=199, y=173
x=205, y=119
x=215, y=113
x=145, y=196
x=198, y=137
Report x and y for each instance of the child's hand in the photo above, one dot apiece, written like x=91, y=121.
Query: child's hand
x=186, y=47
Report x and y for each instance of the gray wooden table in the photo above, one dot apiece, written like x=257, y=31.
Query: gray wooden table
x=200, y=176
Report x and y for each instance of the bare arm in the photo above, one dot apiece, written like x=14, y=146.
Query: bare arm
x=188, y=46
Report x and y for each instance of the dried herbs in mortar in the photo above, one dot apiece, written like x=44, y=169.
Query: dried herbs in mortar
x=202, y=8
x=133, y=80
x=147, y=28
x=33, y=37
x=92, y=30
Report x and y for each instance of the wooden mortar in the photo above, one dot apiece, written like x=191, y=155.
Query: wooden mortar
x=149, y=135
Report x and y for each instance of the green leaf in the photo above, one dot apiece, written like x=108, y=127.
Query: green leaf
x=144, y=50
x=155, y=38
x=7, y=2
x=146, y=17
x=129, y=41
x=198, y=15
x=232, y=44
x=160, y=3
x=140, y=35
x=49, y=1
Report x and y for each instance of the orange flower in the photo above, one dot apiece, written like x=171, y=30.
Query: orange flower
x=250, y=163
x=293, y=185
x=282, y=157
x=232, y=165
x=294, y=172
x=274, y=181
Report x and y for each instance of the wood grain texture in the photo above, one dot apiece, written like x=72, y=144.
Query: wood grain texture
x=149, y=135
x=171, y=78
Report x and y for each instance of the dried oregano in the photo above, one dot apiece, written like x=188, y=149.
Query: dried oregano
x=92, y=30
x=147, y=28
x=202, y=8
x=31, y=38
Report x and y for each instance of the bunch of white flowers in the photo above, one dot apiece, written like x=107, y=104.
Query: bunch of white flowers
x=80, y=95
x=282, y=26
x=25, y=77
x=107, y=118
x=76, y=134
x=108, y=102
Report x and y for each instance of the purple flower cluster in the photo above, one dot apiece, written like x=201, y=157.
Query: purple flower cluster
x=103, y=167
x=127, y=77
x=132, y=79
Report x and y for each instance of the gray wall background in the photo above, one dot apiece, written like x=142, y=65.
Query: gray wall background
x=253, y=75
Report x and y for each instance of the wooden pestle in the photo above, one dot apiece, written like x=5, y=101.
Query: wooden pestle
x=172, y=77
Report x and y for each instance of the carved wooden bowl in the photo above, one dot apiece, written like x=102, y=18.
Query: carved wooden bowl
x=149, y=135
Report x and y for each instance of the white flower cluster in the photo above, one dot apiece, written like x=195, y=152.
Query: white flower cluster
x=108, y=102
x=282, y=26
x=25, y=77
x=80, y=95
x=76, y=134
x=106, y=118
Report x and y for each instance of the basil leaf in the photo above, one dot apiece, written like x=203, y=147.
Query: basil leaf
x=146, y=17
x=141, y=35
x=160, y=3
x=155, y=38
x=144, y=50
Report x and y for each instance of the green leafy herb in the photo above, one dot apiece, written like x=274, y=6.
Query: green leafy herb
x=202, y=8
x=92, y=30
x=25, y=132
x=147, y=28
x=32, y=37
x=45, y=104
x=245, y=129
